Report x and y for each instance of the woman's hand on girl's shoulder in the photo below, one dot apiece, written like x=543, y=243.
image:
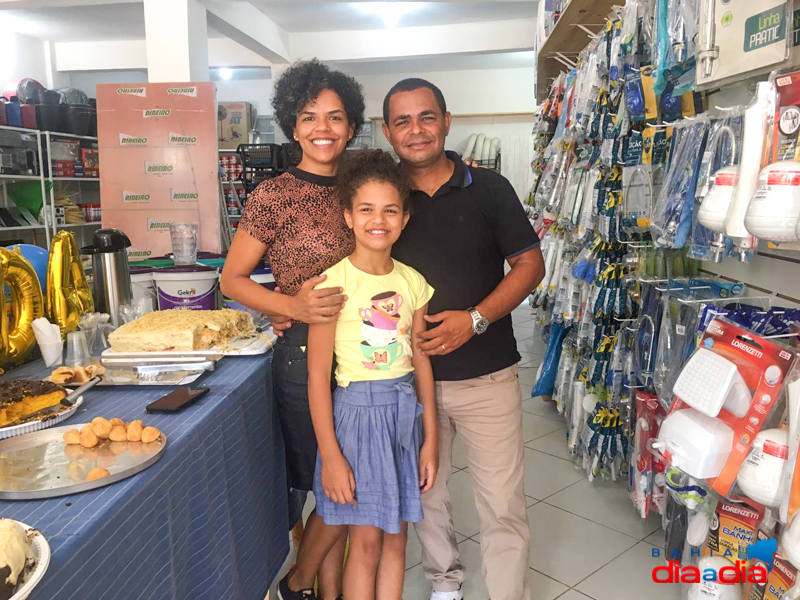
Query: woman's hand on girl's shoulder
x=338, y=481
x=317, y=306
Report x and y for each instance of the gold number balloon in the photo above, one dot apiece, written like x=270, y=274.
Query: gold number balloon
x=68, y=293
x=27, y=304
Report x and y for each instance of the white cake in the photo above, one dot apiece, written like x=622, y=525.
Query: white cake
x=181, y=330
x=15, y=551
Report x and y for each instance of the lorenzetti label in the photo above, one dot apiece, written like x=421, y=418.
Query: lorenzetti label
x=150, y=113
x=179, y=196
x=183, y=91
x=157, y=168
x=134, y=197
x=178, y=139
x=157, y=225
x=141, y=92
x=132, y=140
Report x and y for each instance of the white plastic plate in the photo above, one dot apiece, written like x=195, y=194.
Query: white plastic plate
x=41, y=560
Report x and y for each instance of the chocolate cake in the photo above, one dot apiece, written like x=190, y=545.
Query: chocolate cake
x=22, y=397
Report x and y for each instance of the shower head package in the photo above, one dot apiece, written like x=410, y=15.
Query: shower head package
x=723, y=398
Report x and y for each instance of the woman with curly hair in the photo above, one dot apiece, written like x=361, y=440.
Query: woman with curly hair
x=296, y=220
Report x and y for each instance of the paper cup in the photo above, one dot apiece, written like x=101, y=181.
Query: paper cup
x=51, y=352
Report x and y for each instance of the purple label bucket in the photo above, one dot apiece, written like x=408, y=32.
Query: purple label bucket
x=193, y=288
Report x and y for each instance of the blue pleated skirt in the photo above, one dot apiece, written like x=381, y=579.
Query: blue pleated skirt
x=379, y=428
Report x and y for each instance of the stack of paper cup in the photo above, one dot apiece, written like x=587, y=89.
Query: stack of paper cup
x=48, y=336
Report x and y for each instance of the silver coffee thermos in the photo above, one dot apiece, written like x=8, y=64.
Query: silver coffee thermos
x=111, y=272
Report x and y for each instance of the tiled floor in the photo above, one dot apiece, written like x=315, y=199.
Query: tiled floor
x=587, y=542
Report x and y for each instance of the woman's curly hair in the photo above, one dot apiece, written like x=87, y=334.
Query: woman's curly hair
x=363, y=166
x=303, y=81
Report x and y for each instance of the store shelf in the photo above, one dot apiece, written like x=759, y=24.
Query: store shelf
x=73, y=178
x=568, y=38
x=70, y=135
x=20, y=177
x=22, y=228
x=235, y=217
x=78, y=225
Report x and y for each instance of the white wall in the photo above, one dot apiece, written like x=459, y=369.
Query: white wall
x=22, y=56
x=256, y=91
x=88, y=80
x=466, y=92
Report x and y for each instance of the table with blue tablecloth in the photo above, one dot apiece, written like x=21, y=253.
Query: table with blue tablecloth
x=209, y=520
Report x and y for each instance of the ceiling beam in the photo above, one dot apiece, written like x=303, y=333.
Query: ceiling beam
x=124, y=55
x=251, y=28
x=461, y=38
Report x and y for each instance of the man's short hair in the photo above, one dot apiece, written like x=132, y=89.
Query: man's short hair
x=409, y=85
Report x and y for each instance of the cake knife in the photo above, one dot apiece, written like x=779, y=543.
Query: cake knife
x=67, y=401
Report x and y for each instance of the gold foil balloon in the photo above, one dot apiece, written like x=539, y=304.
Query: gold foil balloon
x=68, y=293
x=27, y=304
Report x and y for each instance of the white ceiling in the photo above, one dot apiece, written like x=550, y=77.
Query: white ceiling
x=102, y=22
x=349, y=16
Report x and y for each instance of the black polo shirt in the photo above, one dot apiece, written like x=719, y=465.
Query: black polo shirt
x=459, y=239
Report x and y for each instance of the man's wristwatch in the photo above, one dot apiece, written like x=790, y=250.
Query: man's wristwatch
x=479, y=323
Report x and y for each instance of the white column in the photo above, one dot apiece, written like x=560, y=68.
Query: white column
x=177, y=40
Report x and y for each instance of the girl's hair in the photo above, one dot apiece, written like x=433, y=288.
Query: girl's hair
x=303, y=82
x=363, y=166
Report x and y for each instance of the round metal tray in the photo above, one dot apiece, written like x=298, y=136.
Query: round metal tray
x=41, y=465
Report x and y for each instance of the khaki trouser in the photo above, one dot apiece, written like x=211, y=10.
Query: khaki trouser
x=487, y=413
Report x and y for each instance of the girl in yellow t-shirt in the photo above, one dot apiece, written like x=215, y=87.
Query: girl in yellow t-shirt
x=378, y=447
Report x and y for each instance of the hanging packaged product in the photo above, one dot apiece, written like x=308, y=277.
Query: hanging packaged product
x=672, y=215
x=733, y=529
x=740, y=38
x=722, y=586
x=760, y=476
x=775, y=207
x=647, y=470
x=724, y=396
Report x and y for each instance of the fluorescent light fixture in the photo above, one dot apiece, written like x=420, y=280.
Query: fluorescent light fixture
x=390, y=12
x=225, y=73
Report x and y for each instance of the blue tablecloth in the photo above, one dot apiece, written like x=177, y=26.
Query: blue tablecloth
x=208, y=521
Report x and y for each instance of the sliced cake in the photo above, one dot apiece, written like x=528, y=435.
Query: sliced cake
x=22, y=397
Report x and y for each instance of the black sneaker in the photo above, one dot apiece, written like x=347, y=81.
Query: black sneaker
x=284, y=593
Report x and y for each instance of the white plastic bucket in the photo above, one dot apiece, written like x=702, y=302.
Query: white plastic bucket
x=186, y=287
x=143, y=285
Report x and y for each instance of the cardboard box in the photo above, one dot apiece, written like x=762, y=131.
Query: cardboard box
x=234, y=121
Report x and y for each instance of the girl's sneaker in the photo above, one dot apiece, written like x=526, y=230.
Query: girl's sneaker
x=284, y=593
x=447, y=595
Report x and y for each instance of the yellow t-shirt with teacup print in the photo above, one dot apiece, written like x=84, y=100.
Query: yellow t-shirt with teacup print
x=373, y=333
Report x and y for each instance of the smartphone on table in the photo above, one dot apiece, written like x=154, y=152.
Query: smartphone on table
x=177, y=399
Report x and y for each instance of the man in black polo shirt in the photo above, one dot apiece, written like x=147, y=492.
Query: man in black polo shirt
x=466, y=224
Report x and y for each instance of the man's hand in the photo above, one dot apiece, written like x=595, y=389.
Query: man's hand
x=454, y=331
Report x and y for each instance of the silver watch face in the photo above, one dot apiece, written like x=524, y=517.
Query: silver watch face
x=481, y=325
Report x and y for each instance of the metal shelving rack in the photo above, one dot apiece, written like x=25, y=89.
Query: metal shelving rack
x=49, y=226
